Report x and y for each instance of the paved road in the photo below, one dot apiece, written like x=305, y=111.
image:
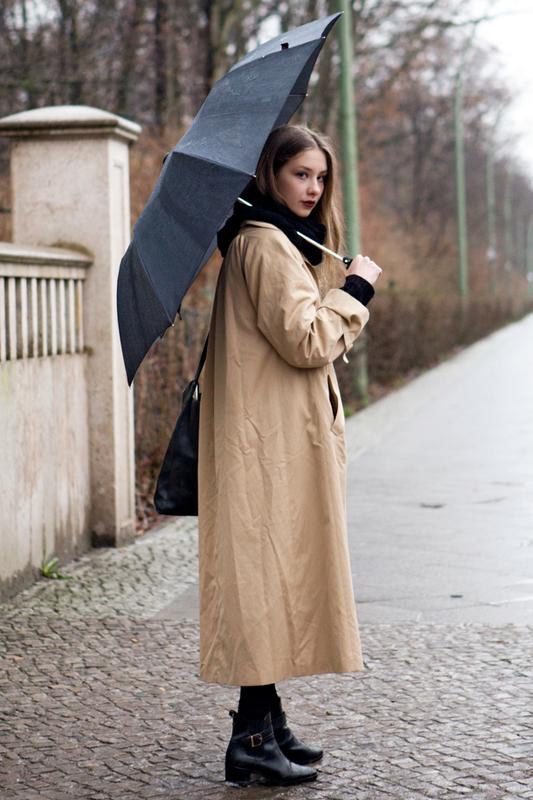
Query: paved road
x=441, y=490
x=99, y=697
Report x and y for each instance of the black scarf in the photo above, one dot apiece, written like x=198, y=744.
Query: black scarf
x=266, y=209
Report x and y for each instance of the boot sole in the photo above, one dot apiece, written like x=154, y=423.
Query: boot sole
x=307, y=779
x=241, y=777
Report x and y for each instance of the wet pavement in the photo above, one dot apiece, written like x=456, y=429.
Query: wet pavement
x=99, y=694
x=441, y=490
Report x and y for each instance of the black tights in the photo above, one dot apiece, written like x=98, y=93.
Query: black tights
x=256, y=701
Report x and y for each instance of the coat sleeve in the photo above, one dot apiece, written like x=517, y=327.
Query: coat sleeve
x=306, y=331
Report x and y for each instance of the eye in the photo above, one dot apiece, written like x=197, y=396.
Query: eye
x=301, y=174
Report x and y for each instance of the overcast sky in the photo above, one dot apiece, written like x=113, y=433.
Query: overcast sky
x=512, y=34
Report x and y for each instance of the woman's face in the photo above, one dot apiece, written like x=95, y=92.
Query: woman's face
x=301, y=180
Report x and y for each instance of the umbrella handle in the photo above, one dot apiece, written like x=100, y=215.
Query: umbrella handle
x=346, y=260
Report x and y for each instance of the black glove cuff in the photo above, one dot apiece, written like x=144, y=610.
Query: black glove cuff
x=359, y=288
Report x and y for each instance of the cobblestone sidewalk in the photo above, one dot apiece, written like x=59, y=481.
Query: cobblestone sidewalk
x=135, y=581
x=100, y=701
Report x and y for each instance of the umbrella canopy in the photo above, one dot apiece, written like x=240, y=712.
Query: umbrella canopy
x=201, y=179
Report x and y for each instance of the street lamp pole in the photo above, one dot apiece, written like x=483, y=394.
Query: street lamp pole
x=462, y=235
x=509, y=238
x=350, y=176
x=521, y=242
x=491, y=219
x=349, y=131
x=492, y=240
x=530, y=257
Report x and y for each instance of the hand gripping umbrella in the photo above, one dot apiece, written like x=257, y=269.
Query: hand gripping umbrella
x=201, y=179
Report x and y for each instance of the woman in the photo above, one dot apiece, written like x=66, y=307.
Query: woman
x=276, y=597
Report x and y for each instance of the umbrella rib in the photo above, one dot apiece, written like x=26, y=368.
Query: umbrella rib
x=150, y=281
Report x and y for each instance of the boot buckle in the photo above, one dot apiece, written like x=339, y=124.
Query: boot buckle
x=256, y=739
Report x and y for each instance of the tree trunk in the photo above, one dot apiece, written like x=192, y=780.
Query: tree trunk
x=129, y=55
x=160, y=62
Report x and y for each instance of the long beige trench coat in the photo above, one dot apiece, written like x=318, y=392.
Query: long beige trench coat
x=276, y=597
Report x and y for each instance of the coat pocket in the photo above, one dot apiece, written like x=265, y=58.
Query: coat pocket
x=337, y=424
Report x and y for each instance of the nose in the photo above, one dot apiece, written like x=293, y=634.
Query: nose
x=313, y=187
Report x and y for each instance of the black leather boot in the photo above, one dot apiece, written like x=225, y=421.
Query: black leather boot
x=253, y=750
x=290, y=746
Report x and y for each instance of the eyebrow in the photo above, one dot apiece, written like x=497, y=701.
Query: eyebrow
x=301, y=166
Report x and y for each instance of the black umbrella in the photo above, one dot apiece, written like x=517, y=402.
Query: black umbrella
x=201, y=179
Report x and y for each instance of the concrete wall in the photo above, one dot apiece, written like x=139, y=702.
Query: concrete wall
x=44, y=433
x=67, y=461
x=44, y=465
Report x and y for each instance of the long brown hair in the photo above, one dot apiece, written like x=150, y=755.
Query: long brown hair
x=284, y=143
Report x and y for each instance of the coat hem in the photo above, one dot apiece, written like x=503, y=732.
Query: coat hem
x=277, y=677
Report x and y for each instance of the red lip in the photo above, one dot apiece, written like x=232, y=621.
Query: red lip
x=309, y=203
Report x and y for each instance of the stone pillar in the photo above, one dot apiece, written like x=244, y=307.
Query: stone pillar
x=70, y=178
